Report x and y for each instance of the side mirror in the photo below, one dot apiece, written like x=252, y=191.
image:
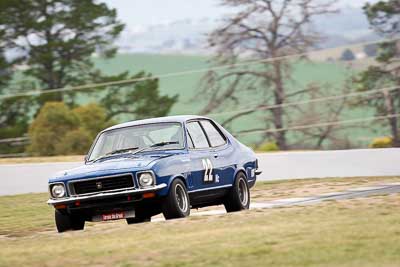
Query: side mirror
x=85, y=158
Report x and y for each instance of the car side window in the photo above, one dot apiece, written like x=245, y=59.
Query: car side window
x=197, y=135
x=215, y=137
x=190, y=142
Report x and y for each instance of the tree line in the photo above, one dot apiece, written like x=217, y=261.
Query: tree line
x=281, y=29
x=49, y=44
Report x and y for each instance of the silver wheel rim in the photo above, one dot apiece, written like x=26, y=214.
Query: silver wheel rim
x=243, y=192
x=181, y=198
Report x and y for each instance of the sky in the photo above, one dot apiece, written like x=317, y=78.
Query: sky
x=138, y=14
x=150, y=12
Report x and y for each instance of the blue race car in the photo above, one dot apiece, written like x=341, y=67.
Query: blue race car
x=138, y=169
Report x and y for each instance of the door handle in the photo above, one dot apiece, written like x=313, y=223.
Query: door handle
x=215, y=155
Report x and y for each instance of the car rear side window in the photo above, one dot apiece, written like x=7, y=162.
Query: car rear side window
x=197, y=135
x=214, y=136
x=190, y=142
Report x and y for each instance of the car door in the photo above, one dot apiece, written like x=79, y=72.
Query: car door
x=202, y=173
x=222, y=153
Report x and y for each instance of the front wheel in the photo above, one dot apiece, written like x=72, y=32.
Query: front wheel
x=177, y=203
x=140, y=217
x=137, y=220
x=66, y=222
x=238, y=197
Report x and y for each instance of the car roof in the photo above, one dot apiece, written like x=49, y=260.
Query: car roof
x=179, y=119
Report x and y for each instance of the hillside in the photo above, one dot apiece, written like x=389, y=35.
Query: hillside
x=186, y=86
x=189, y=35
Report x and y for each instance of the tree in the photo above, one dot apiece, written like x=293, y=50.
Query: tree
x=75, y=142
x=326, y=111
x=48, y=129
x=347, y=55
x=14, y=121
x=260, y=30
x=5, y=65
x=370, y=50
x=383, y=17
x=92, y=118
x=59, y=130
x=13, y=111
x=137, y=100
x=56, y=38
x=5, y=70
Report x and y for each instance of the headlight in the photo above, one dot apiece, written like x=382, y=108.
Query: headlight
x=57, y=190
x=146, y=179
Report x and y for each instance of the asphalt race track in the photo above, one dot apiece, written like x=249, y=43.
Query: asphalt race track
x=32, y=177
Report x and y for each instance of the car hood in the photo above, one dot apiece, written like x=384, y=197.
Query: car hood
x=110, y=166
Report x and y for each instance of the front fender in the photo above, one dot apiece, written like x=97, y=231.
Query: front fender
x=170, y=168
x=168, y=181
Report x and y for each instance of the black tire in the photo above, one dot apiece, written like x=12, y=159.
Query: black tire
x=138, y=220
x=66, y=222
x=177, y=202
x=238, y=197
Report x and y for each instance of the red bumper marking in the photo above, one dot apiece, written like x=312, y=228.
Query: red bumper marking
x=113, y=216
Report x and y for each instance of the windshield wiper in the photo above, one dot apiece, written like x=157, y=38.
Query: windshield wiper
x=164, y=143
x=156, y=145
x=117, y=151
x=137, y=150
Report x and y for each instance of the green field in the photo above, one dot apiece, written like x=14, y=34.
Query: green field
x=187, y=85
x=330, y=75
x=358, y=232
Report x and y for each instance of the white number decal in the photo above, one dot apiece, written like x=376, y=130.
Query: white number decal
x=208, y=167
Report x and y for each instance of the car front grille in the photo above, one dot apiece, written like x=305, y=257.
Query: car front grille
x=102, y=184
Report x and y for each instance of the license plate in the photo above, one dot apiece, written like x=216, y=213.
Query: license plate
x=113, y=216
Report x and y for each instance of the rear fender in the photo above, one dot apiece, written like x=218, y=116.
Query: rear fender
x=241, y=169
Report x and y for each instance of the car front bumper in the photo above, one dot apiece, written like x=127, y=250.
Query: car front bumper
x=103, y=195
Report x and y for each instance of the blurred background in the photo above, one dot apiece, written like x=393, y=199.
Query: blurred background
x=279, y=75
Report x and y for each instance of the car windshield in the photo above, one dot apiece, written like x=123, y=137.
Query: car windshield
x=134, y=138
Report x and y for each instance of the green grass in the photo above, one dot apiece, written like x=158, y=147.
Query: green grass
x=184, y=85
x=191, y=102
x=187, y=85
x=359, y=232
x=25, y=214
x=330, y=75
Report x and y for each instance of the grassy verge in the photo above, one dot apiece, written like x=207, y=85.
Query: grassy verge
x=23, y=215
x=358, y=232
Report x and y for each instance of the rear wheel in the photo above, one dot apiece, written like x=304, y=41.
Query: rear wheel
x=66, y=222
x=177, y=203
x=238, y=197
